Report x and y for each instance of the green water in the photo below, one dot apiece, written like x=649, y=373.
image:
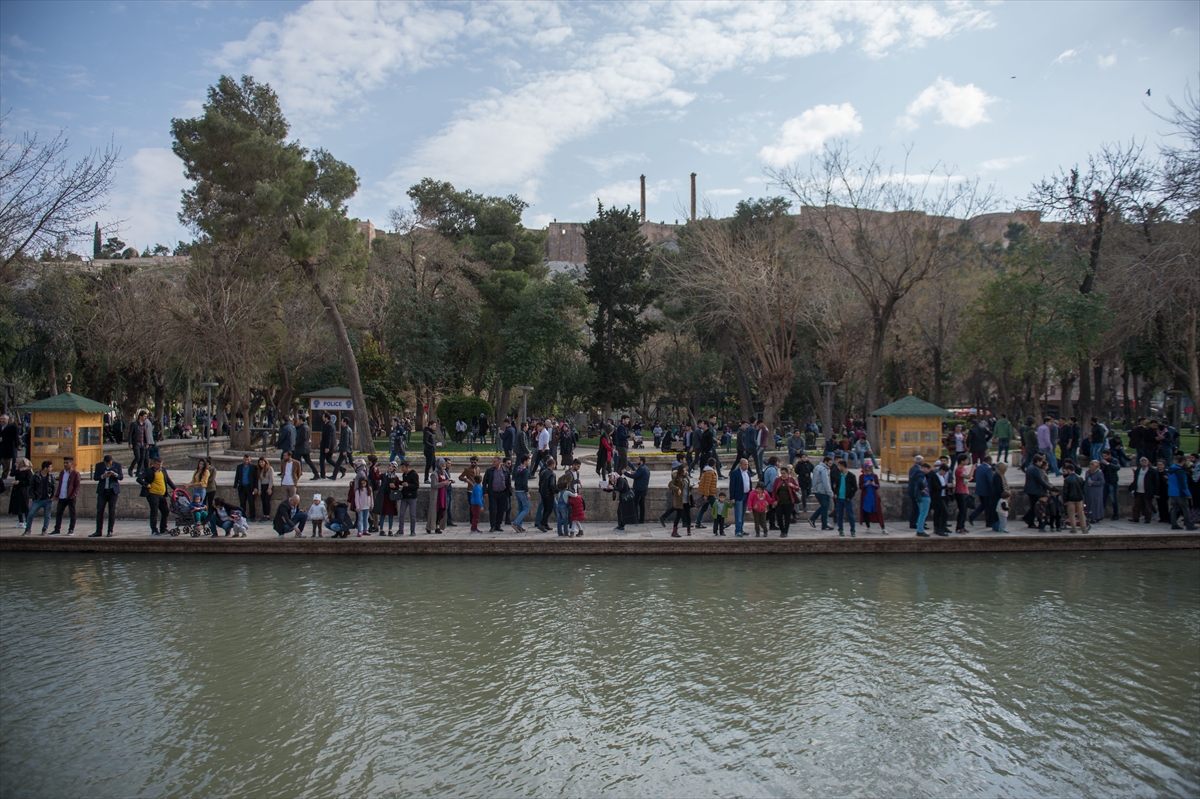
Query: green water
x=1013, y=675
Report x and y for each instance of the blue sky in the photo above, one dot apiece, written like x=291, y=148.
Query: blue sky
x=567, y=103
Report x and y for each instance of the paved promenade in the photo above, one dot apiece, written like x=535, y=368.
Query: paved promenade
x=603, y=538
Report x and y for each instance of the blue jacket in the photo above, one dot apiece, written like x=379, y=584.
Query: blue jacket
x=621, y=438
x=1177, y=481
x=640, y=477
x=737, y=487
x=287, y=437
x=115, y=484
x=983, y=480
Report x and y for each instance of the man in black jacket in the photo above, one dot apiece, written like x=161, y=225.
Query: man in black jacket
x=325, y=456
x=641, y=486
x=429, y=447
x=108, y=476
x=804, y=470
x=303, y=449
x=1037, y=485
x=977, y=441
x=41, y=497
x=345, y=448
x=497, y=488
x=546, y=491
x=289, y=518
x=245, y=482
x=410, y=485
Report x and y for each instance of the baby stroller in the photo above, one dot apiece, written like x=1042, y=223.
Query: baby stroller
x=186, y=519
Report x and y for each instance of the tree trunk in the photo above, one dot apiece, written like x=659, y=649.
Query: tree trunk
x=774, y=388
x=362, y=429
x=160, y=397
x=188, y=418
x=1098, y=391
x=743, y=388
x=239, y=439
x=1126, y=412
x=937, y=376
x=1082, y=410
x=283, y=400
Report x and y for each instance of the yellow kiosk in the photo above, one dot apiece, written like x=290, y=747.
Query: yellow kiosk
x=67, y=425
x=909, y=426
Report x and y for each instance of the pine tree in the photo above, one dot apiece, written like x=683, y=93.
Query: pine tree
x=96, y=247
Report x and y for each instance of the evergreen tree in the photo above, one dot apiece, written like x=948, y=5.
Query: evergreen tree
x=618, y=287
x=96, y=245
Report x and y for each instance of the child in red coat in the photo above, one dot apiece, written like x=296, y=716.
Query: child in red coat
x=575, y=502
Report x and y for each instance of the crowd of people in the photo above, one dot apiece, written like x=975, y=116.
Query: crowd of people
x=952, y=492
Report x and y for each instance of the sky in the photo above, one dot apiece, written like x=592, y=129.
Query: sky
x=566, y=104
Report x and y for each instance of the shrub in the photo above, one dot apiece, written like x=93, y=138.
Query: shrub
x=462, y=406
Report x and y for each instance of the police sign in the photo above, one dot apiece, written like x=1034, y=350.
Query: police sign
x=332, y=404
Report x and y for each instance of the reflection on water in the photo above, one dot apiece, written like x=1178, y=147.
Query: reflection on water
x=1006, y=675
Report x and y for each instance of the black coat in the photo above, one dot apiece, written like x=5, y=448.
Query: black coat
x=1151, y=481
x=303, y=440
x=327, y=437
x=98, y=476
x=283, y=522
x=546, y=483
x=410, y=484
x=487, y=481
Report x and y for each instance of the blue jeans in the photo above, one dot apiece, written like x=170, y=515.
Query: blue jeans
x=1097, y=449
x=522, y=507
x=822, y=511
x=845, y=510
x=43, y=505
x=364, y=520
x=739, y=516
x=1049, y=453
x=1002, y=448
x=562, y=514
x=923, y=511
x=1112, y=490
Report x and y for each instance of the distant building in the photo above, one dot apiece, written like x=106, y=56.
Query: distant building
x=368, y=229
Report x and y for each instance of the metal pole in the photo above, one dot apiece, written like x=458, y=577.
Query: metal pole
x=208, y=427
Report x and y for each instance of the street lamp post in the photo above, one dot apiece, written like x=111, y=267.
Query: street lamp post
x=827, y=389
x=524, y=396
x=208, y=420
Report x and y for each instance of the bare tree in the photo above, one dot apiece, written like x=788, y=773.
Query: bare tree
x=751, y=283
x=45, y=199
x=884, y=232
x=1093, y=200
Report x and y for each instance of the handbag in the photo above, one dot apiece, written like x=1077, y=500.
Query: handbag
x=971, y=501
x=395, y=495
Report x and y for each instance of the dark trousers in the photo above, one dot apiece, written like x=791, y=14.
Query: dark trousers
x=705, y=504
x=263, y=488
x=246, y=500
x=343, y=457
x=306, y=458
x=941, y=519
x=430, y=454
x=622, y=459
x=982, y=505
x=1143, y=506
x=324, y=458
x=106, y=499
x=139, y=460
x=639, y=499
x=497, y=505
x=1028, y=518
x=685, y=514
x=784, y=517
x=913, y=512
x=64, y=504
x=545, y=508
x=158, y=513
x=961, y=501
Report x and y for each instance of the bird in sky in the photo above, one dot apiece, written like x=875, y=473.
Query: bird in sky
x=1147, y=92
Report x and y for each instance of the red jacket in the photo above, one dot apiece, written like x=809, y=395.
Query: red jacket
x=576, y=503
x=72, y=484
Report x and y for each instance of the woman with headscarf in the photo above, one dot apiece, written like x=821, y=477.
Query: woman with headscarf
x=440, y=481
x=1093, y=493
x=870, y=508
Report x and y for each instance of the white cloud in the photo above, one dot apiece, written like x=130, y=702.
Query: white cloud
x=1067, y=55
x=627, y=192
x=960, y=106
x=808, y=132
x=327, y=54
x=1106, y=61
x=999, y=164
x=724, y=192
x=604, y=164
x=147, y=196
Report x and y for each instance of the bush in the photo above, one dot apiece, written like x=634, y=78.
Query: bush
x=461, y=406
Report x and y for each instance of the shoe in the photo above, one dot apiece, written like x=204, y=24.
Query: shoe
x=783, y=535
x=438, y=532
x=923, y=535
x=675, y=534
x=852, y=535
x=843, y=535
x=95, y=535
x=882, y=531
x=699, y=526
x=811, y=523
x=579, y=534
x=942, y=533
x=70, y=532
x=411, y=534
x=622, y=529
x=368, y=535
x=56, y=532
x=722, y=534
x=452, y=524
x=109, y=535
x=360, y=535
x=662, y=521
